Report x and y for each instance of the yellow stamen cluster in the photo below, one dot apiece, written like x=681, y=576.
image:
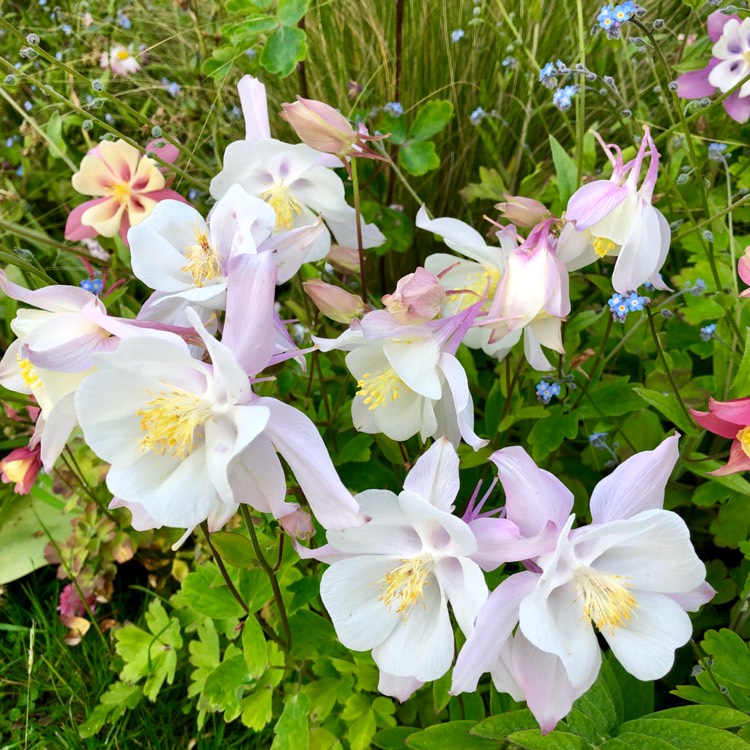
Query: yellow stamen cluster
x=375, y=388
x=122, y=54
x=170, y=421
x=28, y=373
x=406, y=583
x=744, y=437
x=203, y=260
x=476, y=287
x=607, y=599
x=120, y=192
x=603, y=246
x=286, y=206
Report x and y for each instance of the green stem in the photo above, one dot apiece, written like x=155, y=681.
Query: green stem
x=358, y=220
x=667, y=368
x=269, y=571
x=222, y=568
x=581, y=101
x=596, y=371
x=724, y=211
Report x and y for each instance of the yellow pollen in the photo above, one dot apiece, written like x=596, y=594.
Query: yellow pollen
x=170, y=421
x=283, y=203
x=744, y=437
x=376, y=388
x=28, y=373
x=203, y=260
x=607, y=599
x=406, y=583
x=122, y=54
x=603, y=246
x=120, y=192
x=476, y=287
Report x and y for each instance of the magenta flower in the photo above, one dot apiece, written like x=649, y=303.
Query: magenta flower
x=743, y=269
x=726, y=68
x=126, y=186
x=729, y=419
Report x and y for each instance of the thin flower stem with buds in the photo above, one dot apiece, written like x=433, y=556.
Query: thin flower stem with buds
x=271, y=573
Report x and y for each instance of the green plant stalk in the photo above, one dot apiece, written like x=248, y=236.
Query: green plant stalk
x=667, y=369
x=581, y=102
x=269, y=571
x=32, y=236
x=222, y=568
x=358, y=220
x=724, y=211
x=596, y=370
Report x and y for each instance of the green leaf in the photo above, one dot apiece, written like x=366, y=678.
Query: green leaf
x=207, y=594
x=683, y=735
x=291, y=729
x=117, y=699
x=57, y=146
x=226, y=683
x=699, y=464
x=152, y=654
x=254, y=647
x=567, y=171
x=216, y=69
x=547, y=435
x=533, y=739
x=491, y=186
x=731, y=657
x=667, y=404
x=419, y=158
x=21, y=543
x=500, y=726
x=430, y=120
x=360, y=719
x=234, y=548
x=449, y=736
x=741, y=384
x=393, y=739
x=611, y=399
x=291, y=12
x=356, y=449
x=283, y=50
x=719, y=717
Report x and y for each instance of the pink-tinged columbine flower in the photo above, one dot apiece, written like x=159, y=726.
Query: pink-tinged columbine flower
x=21, y=468
x=408, y=379
x=295, y=180
x=615, y=218
x=729, y=419
x=120, y=60
x=523, y=212
x=391, y=580
x=743, y=269
x=726, y=68
x=187, y=259
x=333, y=301
x=469, y=278
x=325, y=129
x=417, y=299
x=127, y=184
x=633, y=574
x=532, y=299
x=188, y=441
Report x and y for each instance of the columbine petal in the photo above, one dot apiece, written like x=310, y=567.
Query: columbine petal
x=635, y=485
x=435, y=475
x=254, y=108
x=400, y=688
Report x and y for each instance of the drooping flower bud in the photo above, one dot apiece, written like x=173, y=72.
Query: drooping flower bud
x=417, y=298
x=325, y=129
x=344, y=259
x=21, y=467
x=333, y=301
x=523, y=212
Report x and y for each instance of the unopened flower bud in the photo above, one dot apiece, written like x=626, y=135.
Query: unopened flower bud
x=344, y=259
x=523, y=212
x=21, y=467
x=417, y=298
x=325, y=129
x=298, y=524
x=335, y=303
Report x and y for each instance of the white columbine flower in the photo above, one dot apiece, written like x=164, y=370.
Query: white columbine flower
x=391, y=580
x=294, y=179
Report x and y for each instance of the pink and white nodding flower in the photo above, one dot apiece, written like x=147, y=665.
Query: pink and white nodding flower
x=532, y=299
x=126, y=185
x=729, y=419
x=728, y=66
x=615, y=218
x=409, y=381
x=633, y=574
x=391, y=580
x=188, y=441
x=295, y=180
x=120, y=60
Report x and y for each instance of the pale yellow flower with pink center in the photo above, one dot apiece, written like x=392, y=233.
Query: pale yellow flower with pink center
x=126, y=185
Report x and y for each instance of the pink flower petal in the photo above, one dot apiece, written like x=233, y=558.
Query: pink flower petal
x=694, y=84
x=738, y=108
x=74, y=230
x=716, y=22
x=592, y=202
x=738, y=461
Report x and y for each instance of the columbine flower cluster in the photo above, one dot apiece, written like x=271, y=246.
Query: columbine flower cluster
x=611, y=17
